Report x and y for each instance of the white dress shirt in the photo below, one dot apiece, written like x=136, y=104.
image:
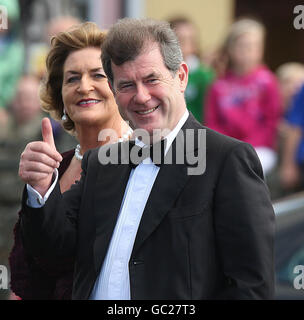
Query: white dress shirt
x=113, y=282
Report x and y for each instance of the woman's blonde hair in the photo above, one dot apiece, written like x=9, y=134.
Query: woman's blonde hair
x=241, y=26
x=75, y=38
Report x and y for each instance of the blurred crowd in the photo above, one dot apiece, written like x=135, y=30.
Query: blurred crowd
x=235, y=93
x=231, y=91
x=21, y=113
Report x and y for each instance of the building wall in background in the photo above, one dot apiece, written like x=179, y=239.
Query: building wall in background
x=211, y=16
x=104, y=12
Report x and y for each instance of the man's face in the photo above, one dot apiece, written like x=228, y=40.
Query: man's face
x=147, y=93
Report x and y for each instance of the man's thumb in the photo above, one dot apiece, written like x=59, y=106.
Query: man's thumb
x=47, y=132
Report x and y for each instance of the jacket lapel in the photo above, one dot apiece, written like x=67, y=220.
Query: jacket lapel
x=169, y=183
x=109, y=191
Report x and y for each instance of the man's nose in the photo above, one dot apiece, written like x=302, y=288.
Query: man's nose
x=85, y=86
x=142, y=94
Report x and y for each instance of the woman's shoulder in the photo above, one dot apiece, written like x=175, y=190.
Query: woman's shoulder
x=68, y=154
x=67, y=157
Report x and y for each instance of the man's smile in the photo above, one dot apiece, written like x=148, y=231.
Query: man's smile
x=147, y=111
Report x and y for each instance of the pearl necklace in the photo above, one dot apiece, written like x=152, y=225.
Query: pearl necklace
x=125, y=137
x=78, y=156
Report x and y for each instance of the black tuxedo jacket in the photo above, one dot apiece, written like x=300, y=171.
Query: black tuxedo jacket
x=206, y=236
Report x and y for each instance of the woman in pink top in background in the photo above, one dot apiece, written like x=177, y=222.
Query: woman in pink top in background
x=244, y=103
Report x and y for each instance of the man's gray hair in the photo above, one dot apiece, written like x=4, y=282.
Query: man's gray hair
x=127, y=39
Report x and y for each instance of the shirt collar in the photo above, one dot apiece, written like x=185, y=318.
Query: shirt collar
x=172, y=135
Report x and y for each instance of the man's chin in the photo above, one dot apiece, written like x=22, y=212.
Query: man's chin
x=151, y=134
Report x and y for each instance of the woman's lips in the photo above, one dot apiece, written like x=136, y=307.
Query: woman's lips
x=87, y=103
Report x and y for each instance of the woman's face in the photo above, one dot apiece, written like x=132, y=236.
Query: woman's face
x=86, y=95
x=247, y=50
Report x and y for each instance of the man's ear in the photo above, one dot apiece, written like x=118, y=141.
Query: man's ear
x=183, y=72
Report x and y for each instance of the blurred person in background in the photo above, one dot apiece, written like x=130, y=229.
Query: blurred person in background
x=292, y=162
x=200, y=76
x=77, y=93
x=25, y=113
x=23, y=125
x=11, y=59
x=291, y=77
x=38, y=52
x=244, y=103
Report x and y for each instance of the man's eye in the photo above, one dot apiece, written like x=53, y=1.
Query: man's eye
x=152, y=80
x=126, y=86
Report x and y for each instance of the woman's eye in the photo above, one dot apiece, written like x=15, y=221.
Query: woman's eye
x=100, y=75
x=72, y=79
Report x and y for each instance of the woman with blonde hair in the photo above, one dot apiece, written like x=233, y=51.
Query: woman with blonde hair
x=76, y=92
x=244, y=102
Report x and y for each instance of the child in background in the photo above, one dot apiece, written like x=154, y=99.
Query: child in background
x=200, y=76
x=291, y=78
x=245, y=103
x=288, y=178
x=292, y=155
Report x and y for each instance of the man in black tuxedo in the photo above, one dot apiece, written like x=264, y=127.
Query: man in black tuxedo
x=159, y=232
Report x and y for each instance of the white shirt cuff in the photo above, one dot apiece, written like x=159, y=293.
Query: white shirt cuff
x=35, y=200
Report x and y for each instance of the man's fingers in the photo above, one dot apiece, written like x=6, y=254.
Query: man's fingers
x=47, y=132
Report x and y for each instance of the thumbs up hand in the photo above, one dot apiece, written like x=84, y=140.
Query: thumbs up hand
x=39, y=159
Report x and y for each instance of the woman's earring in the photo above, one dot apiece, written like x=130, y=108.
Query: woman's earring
x=64, y=116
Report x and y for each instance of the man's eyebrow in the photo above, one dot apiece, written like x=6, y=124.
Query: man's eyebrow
x=122, y=82
x=151, y=75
